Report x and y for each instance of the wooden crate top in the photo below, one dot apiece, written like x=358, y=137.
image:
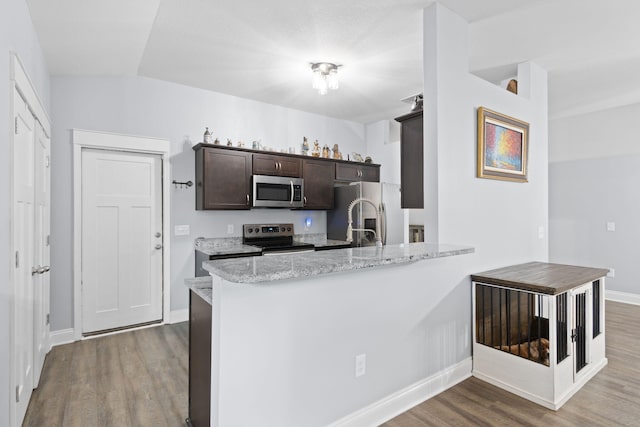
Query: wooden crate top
x=541, y=277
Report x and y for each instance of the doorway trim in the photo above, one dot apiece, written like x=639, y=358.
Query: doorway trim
x=133, y=144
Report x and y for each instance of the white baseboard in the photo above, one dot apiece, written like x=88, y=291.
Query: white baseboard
x=177, y=316
x=405, y=399
x=63, y=336
x=624, y=297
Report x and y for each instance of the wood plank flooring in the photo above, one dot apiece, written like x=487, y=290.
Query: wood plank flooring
x=140, y=378
x=611, y=398
x=137, y=378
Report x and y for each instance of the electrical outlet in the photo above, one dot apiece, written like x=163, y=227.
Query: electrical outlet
x=361, y=365
x=181, y=230
x=540, y=232
x=611, y=226
x=612, y=272
x=229, y=228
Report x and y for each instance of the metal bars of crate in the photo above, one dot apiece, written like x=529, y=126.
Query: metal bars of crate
x=511, y=320
x=579, y=333
x=596, y=308
x=562, y=346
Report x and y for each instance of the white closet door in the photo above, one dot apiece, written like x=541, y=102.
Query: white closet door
x=41, y=249
x=121, y=239
x=23, y=238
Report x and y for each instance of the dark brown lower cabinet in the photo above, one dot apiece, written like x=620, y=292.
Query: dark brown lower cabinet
x=199, y=361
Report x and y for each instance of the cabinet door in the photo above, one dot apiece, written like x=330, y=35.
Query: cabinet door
x=357, y=172
x=199, y=360
x=318, y=184
x=411, y=160
x=223, y=179
x=370, y=173
x=269, y=164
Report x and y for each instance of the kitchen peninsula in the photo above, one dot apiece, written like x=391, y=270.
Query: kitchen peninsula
x=285, y=329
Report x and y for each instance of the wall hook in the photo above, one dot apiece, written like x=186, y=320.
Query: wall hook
x=182, y=185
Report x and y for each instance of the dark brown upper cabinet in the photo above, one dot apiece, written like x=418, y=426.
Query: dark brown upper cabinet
x=318, y=183
x=350, y=172
x=270, y=164
x=411, y=160
x=223, y=179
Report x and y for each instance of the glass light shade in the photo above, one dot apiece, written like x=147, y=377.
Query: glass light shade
x=317, y=79
x=332, y=79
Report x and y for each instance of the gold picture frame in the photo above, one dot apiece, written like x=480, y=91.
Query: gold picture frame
x=503, y=144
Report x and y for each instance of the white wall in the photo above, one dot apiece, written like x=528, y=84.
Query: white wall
x=499, y=218
x=594, y=171
x=16, y=35
x=148, y=107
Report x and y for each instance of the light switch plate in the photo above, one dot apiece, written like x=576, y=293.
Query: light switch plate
x=181, y=230
x=611, y=226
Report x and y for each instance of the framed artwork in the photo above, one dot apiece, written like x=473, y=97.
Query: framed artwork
x=502, y=146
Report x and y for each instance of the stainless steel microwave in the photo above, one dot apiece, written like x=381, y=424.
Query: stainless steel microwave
x=277, y=192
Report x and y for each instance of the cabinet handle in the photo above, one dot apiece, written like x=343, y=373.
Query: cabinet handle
x=247, y=200
x=305, y=200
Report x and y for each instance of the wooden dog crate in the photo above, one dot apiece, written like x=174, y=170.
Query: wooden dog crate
x=539, y=329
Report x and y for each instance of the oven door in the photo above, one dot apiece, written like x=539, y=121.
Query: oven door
x=277, y=192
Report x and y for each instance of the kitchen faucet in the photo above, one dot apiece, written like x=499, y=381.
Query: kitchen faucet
x=350, y=229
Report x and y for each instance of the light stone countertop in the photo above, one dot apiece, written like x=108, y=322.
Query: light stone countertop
x=289, y=266
x=219, y=246
x=201, y=286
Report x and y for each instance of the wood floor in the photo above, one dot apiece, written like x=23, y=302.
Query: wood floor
x=611, y=398
x=137, y=378
x=140, y=378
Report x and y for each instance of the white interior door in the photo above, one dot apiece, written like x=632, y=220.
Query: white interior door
x=41, y=250
x=121, y=239
x=23, y=239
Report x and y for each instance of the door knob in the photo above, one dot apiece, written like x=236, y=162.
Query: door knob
x=158, y=246
x=158, y=234
x=35, y=270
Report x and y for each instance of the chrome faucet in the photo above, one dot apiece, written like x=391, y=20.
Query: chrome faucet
x=350, y=229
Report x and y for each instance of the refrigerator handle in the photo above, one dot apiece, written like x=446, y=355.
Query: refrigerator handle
x=383, y=226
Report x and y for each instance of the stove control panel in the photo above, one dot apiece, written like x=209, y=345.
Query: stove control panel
x=267, y=230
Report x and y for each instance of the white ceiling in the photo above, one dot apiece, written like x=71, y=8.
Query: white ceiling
x=262, y=49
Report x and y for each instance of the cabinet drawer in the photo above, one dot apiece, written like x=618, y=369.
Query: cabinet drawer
x=357, y=172
x=268, y=164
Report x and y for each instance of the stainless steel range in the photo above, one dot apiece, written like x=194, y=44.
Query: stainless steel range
x=273, y=238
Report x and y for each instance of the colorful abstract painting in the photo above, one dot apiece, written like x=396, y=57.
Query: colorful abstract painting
x=502, y=146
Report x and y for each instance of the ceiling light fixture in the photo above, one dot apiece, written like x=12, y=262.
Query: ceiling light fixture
x=325, y=76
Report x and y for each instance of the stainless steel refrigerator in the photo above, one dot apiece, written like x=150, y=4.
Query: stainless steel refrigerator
x=364, y=215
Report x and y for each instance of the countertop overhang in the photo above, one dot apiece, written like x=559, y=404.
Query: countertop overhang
x=264, y=269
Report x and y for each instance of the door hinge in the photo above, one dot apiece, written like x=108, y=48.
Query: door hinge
x=15, y=126
x=574, y=334
x=17, y=394
x=48, y=314
x=48, y=236
x=17, y=259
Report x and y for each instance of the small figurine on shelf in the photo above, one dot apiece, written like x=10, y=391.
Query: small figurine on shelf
x=316, y=149
x=336, y=152
x=325, y=151
x=207, y=136
x=305, y=146
x=368, y=159
x=217, y=141
x=240, y=144
x=229, y=143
